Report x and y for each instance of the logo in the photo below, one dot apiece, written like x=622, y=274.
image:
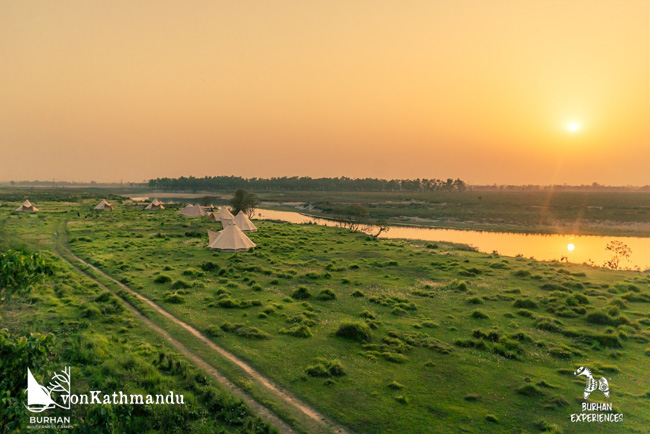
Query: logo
x=41, y=398
x=595, y=411
x=592, y=384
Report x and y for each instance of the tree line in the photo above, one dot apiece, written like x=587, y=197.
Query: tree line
x=306, y=183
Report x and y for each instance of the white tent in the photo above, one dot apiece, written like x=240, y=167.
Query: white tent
x=155, y=205
x=104, y=206
x=27, y=207
x=224, y=214
x=230, y=239
x=244, y=222
x=192, y=211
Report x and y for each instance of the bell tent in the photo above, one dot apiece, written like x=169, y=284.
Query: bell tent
x=27, y=207
x=104, y=206
x=230, y=239
x=192, y=211
x=155, y=205
x=244, y=222
x=224, y=214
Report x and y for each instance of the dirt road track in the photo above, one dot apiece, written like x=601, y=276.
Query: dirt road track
x=321, y=421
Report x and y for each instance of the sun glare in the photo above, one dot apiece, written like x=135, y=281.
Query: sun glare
x=573, y=127
x=571, y=247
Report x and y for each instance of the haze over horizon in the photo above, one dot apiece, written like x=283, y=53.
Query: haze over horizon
x=499, y=92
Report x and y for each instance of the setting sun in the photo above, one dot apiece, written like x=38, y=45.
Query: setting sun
x=571, y=247
x=573, y=127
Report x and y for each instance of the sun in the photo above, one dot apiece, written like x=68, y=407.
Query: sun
x=573, y=127
x=571, y=247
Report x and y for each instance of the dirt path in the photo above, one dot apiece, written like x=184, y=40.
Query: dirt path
x=324, y=423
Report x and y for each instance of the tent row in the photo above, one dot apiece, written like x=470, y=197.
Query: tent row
x=231, y=239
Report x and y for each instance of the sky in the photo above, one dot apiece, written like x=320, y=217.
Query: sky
x=482, y=91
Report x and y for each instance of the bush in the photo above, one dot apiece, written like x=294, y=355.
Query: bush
x=163, y=278
x=525, y=303
x=357, y=293
x=301, y=293
x=474, y=300
x=521, y=273
x=530, y=390
x=324, y=368
x=299, y=331
x=210, y=266
x=213, y=331
x=244, y=331
x=174, y=298
x=368, y=314
x=228, y=303
x=477, y=314
x=91, y=312
x=356, y=331
x=326, y=295
x=181, y=284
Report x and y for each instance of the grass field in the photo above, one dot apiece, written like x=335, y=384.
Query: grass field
x=383, y=336
x=108, y=349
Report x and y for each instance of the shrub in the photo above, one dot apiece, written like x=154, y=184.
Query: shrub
x=174, y=298
x=301, y=293
x=163, y=278
x=210, y=266
x=491, y=418
x=477, y=314
x=104, y=297
x=395, y=385
x=299, y=331
x=356, y=331
x=357, y=293
x=181, y=284
x=193, y=272
x=324, y=368
x=530, y=390
x=474, y=300
x=368, y=314
x=326, y=295
x=91, y=312
x=521, y=273
x=402, y=399
x=244, y=331
x=525, y=303
x=228, y=303
x=213, y=331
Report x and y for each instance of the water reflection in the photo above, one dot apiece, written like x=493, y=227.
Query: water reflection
x=571, y=248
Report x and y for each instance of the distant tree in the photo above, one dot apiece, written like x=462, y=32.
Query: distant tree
x=377, y=228
x=244, y=201
x=206, y=201
x=460, y=185
x=620, y=250
x=352, y=217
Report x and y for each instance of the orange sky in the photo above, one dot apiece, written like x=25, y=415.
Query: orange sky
x=483, y=91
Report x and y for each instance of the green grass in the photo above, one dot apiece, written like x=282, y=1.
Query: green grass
x=414, y=312
x=108, y=349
